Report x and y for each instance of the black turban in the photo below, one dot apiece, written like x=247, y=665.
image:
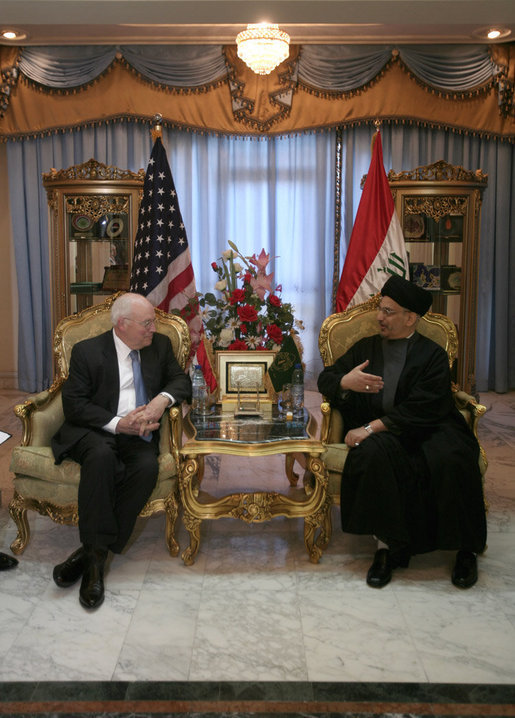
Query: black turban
x=407, y=294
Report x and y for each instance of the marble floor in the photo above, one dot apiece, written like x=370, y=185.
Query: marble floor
x=253, y=608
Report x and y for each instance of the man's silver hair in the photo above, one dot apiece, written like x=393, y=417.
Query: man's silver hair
x=122, y=307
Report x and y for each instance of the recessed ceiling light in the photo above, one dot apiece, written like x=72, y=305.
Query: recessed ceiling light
x=492, y=33
x=10, y=34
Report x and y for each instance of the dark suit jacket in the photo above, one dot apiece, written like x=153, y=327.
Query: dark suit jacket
x=90, y=393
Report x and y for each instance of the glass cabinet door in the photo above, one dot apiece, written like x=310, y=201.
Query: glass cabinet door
x=93, y=212
x=97, y=235
x=439, y=210
x=434, y=229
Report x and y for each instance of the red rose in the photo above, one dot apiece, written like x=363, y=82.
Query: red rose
x=244, y=329
x=215, y=266
x=274, y=301
x=237, y=295
x=247, y=277
x=247, y=313
x=274, y=333
x=238, y=345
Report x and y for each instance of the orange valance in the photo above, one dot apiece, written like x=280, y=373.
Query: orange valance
x=252, y=105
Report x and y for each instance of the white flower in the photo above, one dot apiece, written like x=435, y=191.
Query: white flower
x=237, y=267
x=299, y=324
x=226, y=337
x=233, y=323
x=252, y=341
x=228, y=254
x=221, y=285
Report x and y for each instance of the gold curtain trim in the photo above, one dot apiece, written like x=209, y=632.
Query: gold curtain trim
x=121, y=96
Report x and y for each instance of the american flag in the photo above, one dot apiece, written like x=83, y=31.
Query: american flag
x=161, y=268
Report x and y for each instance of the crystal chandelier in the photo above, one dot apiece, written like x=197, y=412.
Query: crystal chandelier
x=262, y=47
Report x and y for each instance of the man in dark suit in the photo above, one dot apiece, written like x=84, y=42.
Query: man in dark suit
x=111, y=429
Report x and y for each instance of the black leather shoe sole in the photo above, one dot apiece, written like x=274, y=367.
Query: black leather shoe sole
x=464, y=573
x=67, y=573
x=7, y=562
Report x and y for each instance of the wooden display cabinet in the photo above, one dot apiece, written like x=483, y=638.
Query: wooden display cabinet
x=439, y=209
x=93, y=213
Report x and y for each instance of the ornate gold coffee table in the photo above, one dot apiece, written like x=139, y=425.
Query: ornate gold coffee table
x=219, y=432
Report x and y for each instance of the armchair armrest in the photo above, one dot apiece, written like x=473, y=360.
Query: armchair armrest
x=331, y=431
x=175, y=424
x=41, y=416
x=471, y=410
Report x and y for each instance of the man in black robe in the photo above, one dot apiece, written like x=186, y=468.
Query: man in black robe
x=412, y=477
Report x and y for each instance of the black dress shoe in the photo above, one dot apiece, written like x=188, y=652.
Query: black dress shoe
x=464, y=573
x=7, y=562
x=67, y=573
x=91, y=594
x=380, y=573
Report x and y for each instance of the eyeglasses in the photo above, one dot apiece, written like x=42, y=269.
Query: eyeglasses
x=390, y=312
x=147, y=323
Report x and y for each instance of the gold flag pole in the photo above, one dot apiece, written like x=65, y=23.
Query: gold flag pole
x=377, y=125
x=157, y=129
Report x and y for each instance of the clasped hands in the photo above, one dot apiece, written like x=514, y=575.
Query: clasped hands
x=143, y=420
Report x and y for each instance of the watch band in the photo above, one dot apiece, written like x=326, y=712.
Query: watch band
x=368, y=428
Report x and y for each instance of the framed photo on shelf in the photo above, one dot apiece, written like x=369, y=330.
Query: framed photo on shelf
x=450, y=279
x=425, y=275
x=246, y=370
x=116, y=277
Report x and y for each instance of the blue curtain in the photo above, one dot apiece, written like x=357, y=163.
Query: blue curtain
x=277, y=194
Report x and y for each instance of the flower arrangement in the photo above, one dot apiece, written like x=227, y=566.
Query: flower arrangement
x=249, y=313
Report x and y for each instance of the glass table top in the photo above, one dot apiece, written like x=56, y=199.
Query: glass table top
x=220, y=424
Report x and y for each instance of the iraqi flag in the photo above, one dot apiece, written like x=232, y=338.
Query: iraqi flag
x=376, y=247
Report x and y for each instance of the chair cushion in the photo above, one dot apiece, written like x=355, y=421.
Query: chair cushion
x=37, y=476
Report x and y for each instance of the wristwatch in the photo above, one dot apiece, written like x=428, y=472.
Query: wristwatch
x=166, y=396
x=368, y=428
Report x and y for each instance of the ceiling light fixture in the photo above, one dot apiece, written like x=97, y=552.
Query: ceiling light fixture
x=9, y=34
x=262, y=47
x=492, y=33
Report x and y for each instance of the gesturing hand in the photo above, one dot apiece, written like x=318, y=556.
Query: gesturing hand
x=358, y=380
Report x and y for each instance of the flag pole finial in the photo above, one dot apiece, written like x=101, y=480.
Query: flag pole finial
x=377, y=125
x=156, y=130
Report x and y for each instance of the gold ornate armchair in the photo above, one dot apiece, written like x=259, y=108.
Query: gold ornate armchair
x=52, y=490
x=337, y=334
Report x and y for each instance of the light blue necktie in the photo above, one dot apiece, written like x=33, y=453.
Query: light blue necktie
x=139, y=386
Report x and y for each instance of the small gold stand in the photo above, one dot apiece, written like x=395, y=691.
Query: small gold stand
x=247, y=407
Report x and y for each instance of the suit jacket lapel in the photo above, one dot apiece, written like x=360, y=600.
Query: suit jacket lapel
x=112, y=373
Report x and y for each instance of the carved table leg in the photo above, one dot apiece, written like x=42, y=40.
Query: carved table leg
x=292, y=476
x=193, y=527
x=172, y=511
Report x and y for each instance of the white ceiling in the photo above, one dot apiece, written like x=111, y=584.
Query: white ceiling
x=76, y=22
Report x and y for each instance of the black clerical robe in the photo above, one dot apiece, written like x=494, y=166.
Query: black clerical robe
x=417, y=485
